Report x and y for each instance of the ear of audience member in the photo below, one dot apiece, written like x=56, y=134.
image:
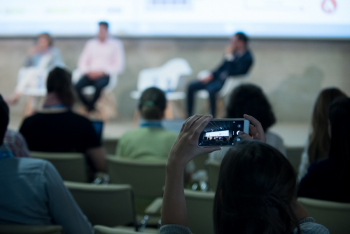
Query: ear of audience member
x=330, y=179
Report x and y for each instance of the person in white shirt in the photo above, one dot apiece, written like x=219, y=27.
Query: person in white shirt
x=250, y=99
x=101, y=57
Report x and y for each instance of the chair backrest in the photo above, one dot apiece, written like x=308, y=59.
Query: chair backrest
x=28, y=229
x=146, y=178
x=110, y=205
x=231, y=83
x=213, y=168
x=333, y=215
x=71, y=166
x=200, y=211
x=172, y=71
x=166, y=77
x=107, y=230
x=148, y=78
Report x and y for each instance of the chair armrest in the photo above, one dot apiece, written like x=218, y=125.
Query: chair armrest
x=154, y=207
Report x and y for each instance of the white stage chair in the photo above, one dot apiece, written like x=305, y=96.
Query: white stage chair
x=166, y=77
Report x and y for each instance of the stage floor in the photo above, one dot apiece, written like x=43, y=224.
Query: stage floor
x=294, y=134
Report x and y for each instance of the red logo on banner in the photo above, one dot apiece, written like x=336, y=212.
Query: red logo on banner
x=329, y=6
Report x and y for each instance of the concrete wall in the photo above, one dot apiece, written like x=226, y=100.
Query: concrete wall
x=291, y=72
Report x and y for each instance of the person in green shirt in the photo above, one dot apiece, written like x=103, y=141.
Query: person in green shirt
x=150, y=141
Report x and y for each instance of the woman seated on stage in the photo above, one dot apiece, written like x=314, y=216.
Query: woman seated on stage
x=57, y=129
x=256, y=188
x=250, y=99
x=330, y=179
x=42, y=58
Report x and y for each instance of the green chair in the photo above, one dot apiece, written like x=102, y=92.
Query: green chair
x=110, y=205
x=28, y=229
x=147, y=178
x=71, y=166
x=200, y=211
x=110, y=144
x=333, y=215
x=213, y=168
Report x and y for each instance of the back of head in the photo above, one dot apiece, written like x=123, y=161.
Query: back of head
x=339, y=116
x=319, y=141
x=4, y=119
x=152, y=104
x=59, y=82
x=250, y=99
x=256, y=188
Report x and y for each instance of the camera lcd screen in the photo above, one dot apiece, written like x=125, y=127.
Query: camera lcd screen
x=222, y=132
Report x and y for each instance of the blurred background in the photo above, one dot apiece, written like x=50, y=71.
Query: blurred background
x=299, y=47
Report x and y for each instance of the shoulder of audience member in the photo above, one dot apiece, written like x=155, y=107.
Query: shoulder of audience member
x=80, y=117
x=321, y=166
x=31, y=118
x=308, y=226
x=33, y=165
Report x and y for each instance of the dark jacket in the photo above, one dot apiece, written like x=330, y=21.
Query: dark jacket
x=326, y=180
x=238, y=66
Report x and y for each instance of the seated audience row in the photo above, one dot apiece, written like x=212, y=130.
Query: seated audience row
x=32, y=191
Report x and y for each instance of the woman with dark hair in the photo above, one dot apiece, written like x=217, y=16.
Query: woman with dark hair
x=330, y=178
x=317, y=147
x=57, y=129
x=250, y=99
x=256, y=188
x=42, y=58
